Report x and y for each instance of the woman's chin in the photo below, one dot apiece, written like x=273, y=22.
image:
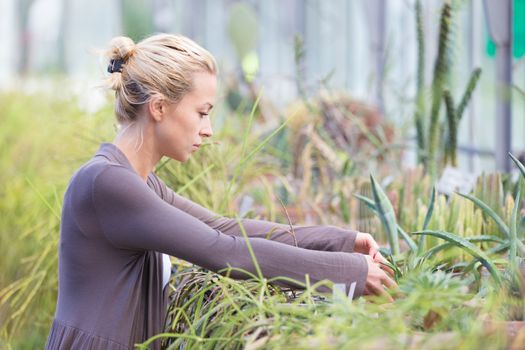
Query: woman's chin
x=184, y=158
x=179, y=157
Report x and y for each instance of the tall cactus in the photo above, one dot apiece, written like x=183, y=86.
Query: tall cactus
x=420, y=97
x=441, y=69
x=471, y=86
x=452, y=122
x=454, y=115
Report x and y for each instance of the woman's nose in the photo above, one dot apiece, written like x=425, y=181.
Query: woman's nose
x=207, y=131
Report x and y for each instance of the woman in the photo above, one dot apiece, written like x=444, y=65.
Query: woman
x=119, y=220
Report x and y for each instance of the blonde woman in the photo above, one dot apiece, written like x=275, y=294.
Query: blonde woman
x=120, y=221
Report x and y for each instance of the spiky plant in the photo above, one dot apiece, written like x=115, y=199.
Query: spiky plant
x=420, y=95
x=454, y=115
x=441, y=70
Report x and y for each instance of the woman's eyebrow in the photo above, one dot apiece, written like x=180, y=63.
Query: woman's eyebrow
x=210, y=106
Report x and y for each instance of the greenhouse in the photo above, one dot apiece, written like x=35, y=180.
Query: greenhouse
x=262, y=174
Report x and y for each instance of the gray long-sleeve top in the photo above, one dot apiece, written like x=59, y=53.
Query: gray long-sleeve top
x=114, y=228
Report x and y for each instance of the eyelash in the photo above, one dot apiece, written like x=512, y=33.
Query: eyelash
x=202, y=115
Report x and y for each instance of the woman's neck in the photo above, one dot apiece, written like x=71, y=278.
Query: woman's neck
x=136, y=144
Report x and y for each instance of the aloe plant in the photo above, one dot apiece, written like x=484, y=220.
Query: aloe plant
x=513, y=243
x=468, y=247
x=418, y=247
x=386, y=214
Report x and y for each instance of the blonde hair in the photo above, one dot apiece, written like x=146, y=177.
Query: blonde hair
x=160, y=64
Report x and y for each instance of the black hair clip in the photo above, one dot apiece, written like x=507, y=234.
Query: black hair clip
x=115, y=65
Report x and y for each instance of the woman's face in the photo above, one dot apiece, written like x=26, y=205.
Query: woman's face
x=185, y=124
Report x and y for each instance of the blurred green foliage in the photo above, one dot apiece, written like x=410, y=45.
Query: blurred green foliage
x=137, y=19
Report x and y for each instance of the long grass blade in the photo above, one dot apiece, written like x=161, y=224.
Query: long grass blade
x=250, y=249
x=44, y=200
x=195, y=179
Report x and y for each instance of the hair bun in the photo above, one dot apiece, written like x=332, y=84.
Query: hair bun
x=121, y=48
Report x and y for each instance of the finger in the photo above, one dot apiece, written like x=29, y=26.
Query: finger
x=387, y=269
x=380, y=291
x=383, y=264
x=373, y=247
x=388, y=282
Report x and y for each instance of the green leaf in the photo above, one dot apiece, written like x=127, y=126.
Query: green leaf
x=518, y=164
x=472, y=239
x=513, y=239
x=430, y=210
x=411, y=244
x=436, y=249
x=485, y=238
x=369, y=203
x=397, y=272
x=468, y=247
x=386, y=214
x=428, y=216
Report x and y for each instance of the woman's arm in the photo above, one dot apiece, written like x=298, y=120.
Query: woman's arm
x=132, y=217
x=326, y=238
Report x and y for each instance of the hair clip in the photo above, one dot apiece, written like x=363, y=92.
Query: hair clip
x=115, y=65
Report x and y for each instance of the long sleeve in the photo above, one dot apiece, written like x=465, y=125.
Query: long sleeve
x=133, y=217
x=325, y=238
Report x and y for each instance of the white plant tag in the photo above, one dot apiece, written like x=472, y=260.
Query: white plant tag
x=339, y=291
x=351, y=291
x=454, y=179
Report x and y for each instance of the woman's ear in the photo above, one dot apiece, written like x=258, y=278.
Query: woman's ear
x=157, y=107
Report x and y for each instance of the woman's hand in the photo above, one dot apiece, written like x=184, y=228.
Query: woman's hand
x=366, y=244
x=377, y=281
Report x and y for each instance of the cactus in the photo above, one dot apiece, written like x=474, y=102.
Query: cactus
x=441, y=69
x=420, y=99
x=428, y=145
x=471, y=86
x=452, y=122
x=454, y=116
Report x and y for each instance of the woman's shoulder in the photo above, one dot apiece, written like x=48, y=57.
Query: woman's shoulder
x=96, y=170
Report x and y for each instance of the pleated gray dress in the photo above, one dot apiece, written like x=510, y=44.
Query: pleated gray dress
x=114, y=229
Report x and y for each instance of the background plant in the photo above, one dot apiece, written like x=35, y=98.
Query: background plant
x=435, y=131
